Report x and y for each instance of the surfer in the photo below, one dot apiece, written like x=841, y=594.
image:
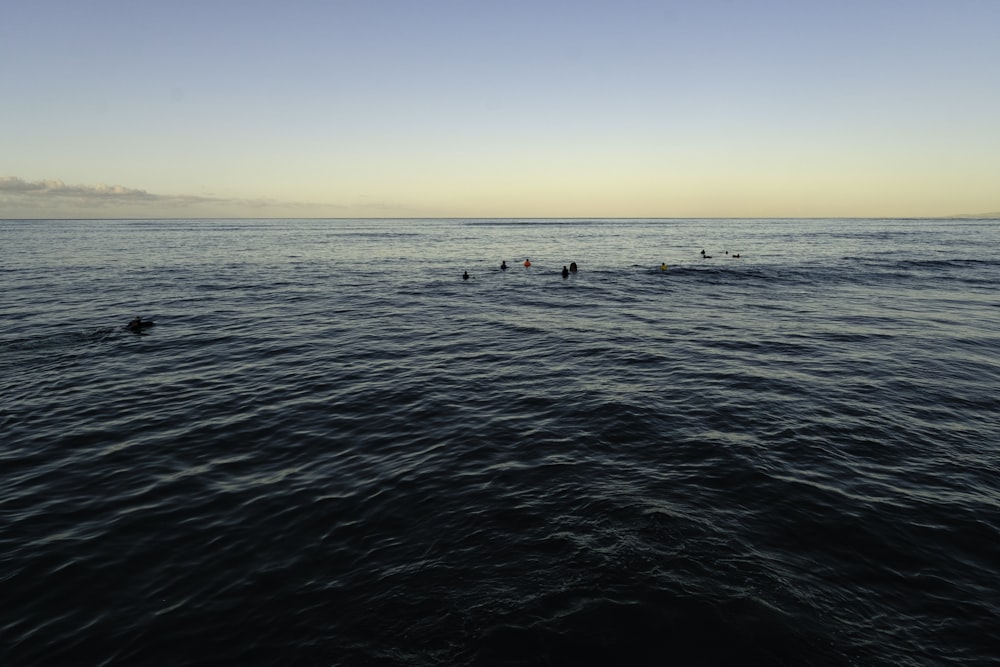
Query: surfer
x=465, y=276
x=137, y=325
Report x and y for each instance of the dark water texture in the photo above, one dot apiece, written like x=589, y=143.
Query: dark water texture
x=332, y=450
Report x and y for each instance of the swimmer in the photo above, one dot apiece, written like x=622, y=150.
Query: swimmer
x=572, y=267
x=465, y=276
x=527, y=262
x=137, y=325
x=663, y=266
x=503, y=265
x=565, y=272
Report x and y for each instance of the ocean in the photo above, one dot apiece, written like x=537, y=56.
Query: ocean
x=331, y=449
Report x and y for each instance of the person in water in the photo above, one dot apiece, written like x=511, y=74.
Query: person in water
x=503, y=265
x=527, y=262
x=663, y=266
x=572, y=267
x=565, y=272
x=137, y=325
x=465, y=276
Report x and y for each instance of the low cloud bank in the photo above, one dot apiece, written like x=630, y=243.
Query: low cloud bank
x=54, y=198
x=12, y=185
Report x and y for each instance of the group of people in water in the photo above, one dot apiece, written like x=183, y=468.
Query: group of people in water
x=704, y=256
x=572, y=267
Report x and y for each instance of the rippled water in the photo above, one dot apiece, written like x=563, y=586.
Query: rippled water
x=332, y=450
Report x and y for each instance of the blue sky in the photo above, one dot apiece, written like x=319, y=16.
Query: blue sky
x=446, y=108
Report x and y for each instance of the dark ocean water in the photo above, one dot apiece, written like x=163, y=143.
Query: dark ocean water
x=332, y=450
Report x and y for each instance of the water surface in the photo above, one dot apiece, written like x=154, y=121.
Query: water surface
x=333, y=450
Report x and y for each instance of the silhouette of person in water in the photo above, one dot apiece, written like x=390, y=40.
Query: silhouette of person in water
x=503, y=265
x=565, y=272
x=135, y=325
x=465, y=276
x=572, y=267
x=527, y=262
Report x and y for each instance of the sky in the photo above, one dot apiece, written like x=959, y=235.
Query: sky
x=501, y=108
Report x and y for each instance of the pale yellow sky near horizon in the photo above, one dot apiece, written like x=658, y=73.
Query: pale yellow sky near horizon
x=597, y=109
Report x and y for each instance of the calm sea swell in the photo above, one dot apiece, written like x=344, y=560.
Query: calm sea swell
x=332, y=450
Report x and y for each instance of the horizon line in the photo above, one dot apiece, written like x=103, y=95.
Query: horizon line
x=983, y=216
